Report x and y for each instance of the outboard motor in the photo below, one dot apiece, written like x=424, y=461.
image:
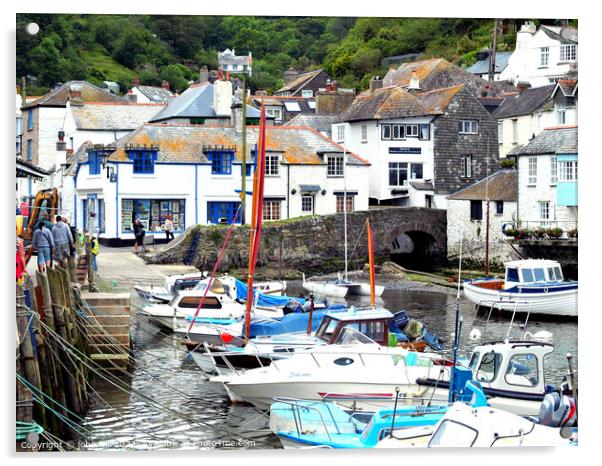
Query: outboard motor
x=557, y=411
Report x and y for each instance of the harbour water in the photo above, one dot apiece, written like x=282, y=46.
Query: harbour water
x=187, y=412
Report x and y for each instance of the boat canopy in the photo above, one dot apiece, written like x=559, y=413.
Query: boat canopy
x=532, y=271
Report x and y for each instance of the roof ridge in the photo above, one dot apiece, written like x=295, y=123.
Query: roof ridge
x=556, y=128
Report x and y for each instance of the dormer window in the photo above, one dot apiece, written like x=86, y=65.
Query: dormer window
x=144, y=162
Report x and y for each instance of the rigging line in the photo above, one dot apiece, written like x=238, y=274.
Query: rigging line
x=151, y=400
x=357, y=243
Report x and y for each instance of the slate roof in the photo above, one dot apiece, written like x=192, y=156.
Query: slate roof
x=89, y=93
x=302, y=79
x=567, y=86
x=109, y=116
x=80, y=155
x=319, y=122
x=482, y=66
x=28, y=168
x=396, y=102
x=196, y=102
x=303, y=102
x=561, y=34
x=500, y=186
x=156, y=94
x=422, y=185
x=524, y=103
x=556, y=140
x=436, y=73
x=184, y=143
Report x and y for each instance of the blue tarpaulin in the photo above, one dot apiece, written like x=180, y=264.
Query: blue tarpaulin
x=265, y=299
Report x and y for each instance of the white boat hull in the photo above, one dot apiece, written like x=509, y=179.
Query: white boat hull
x=559, y=303
x=326, y=289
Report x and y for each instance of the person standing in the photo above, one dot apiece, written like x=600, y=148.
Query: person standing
x=43, y=242
x=139, y=234
x=20, y=259
x=62, y=241
x=95, y=250
x=168, y=227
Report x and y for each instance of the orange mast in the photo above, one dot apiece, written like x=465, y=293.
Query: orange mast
x=371, y=262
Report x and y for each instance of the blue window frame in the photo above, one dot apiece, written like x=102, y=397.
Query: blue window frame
x=221, y=163
x=30, y=119
x=144, y=161
x=94, y=163
x=29, y=150
x=217, y=211
x=85, y=213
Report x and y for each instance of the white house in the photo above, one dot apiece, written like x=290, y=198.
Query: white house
x=547, y=180
x=481, y=66
x=467, y=217
x=151, y=94
x=524, y=115
x=542, y=56
x=193, y=172
x=230, y=62
x=421, y=145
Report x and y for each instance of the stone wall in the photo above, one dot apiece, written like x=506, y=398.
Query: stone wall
x=314, y=244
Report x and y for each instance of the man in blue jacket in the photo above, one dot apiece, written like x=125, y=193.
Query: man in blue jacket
x=43, y=243
x=62, y=241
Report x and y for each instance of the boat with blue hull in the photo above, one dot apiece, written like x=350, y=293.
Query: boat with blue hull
x=531, y=286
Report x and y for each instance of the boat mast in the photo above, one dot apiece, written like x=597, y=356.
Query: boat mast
x=487, y=214
x=345, y=198
x=371, y=263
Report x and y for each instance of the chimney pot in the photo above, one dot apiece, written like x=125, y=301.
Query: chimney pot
x=165, y=85
x=375, y=83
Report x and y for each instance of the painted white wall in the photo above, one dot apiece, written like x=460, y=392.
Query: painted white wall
x=524, y=65
x=141, y=98
x=471, y=233
x=530, y=195
x=50, y=121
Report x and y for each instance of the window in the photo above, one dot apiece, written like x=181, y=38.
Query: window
x=234, y=67
x=544, y=56
x=514, y=131
x=152, y=213
x=532, y=170
x=335, y=165
x=527, y=275
x=340, y=133
x=398, y=173
x=307, y=93
x=412, y=131
x=272, y=164
x=30, y=119
x=292, y=106
x=568, y=170
x=93, y=163
x=222, y=212
x=560, y=113
x=364, y=133
x=476, y=210
x=29, y=150
x=311, y=104
x=466, y=167
x=522, y=370
x=539, y=274
x=568, y=52
x=416, y=171
x=544, y=210
x=500, y=132
x=499, y=207
x=221, y=163
x=274, y=112
x=271, y=210
x=489, y=367
x=512, y=274
x=385, y=132
x=425, y=132
x=341, y=206
x=398, y=132
x=553, y=170
x=468, y=127
x=307, y=204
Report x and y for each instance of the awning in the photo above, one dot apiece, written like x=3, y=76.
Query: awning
x=309, y=188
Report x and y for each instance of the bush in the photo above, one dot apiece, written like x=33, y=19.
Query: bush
x=512, y=232
x=554, y=232
x=572, y=233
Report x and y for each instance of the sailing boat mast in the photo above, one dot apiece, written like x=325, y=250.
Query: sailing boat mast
x=345, y=199
x=487, y=214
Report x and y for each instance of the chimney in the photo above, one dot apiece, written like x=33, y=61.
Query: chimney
x=375, y=83
x=290, y=75
x=61, y=145
x=75, y=94
x=135, y=82
x=131, y=97
x=414, y=81
x=522, y=85
x=165, y=85
x=222, y=98
x=236, y=116
x=204, y=75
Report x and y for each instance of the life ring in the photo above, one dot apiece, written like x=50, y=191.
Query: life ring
x=505, y=226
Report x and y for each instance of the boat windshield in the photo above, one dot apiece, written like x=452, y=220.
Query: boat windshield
x=326, y=328
x=350, y=336
x=512, y=274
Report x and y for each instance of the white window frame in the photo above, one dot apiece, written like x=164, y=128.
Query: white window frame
x=340, y=198
x=466, y=168
x=568, y=171
x=514, y=131
x=341, y=133
x=412, y=131
x=335, y=166
x=305, y=205
x=364, y=129
x=272, y=165
x=568, y=52
x=399, y=167
x=544, y=56
x=400, y=132
x=544, y=211
x=269, y=209
x=553, y=170
x=532, y=170
x=560, y=110
x=307, y=93
x=468, y=127
x=500, y=132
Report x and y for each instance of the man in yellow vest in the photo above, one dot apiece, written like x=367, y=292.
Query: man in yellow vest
x=95, y=250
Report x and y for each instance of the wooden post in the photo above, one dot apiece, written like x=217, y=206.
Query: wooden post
x=71, y=268
x=28, y=356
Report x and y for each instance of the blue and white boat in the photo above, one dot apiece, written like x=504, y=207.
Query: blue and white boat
x=532, y=286
x=303, y=423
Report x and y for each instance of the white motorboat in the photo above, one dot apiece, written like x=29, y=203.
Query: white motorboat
x=340, y=288
x=467, y=427
x=530, y=286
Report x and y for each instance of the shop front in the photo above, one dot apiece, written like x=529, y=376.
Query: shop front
x=152, y=213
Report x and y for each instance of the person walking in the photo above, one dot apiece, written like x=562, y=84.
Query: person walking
x=139, y=234
x=168, y=226
x=43, y=243
x=20, y=259
x=62, y=241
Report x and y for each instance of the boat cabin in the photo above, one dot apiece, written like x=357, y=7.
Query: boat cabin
x=516, y=366
x=190, y=299
x=373, y=323
x=531, y=271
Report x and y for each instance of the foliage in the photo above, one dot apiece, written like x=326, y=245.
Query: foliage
x=508, y=163
x=173, y=48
